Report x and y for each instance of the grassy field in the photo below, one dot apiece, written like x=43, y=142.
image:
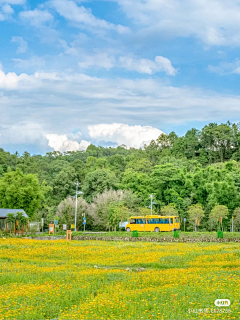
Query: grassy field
x=182, y=234
x=117, y=280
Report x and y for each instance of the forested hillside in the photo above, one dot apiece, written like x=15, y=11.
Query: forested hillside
x=202, y=167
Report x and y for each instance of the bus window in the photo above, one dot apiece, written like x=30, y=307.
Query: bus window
x=153, y=221
x=176, y=220
x=133, y=221
x=171, y=220
x=140, y=221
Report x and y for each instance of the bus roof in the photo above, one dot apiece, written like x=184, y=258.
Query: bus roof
x=152, y=216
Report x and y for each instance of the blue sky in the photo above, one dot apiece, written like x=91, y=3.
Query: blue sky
x=115, y=72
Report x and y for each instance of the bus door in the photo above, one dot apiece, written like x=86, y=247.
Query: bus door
x=170, y=224
x=140, y=224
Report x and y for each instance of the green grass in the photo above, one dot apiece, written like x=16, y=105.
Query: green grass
x=166, y=235
x=160, y=234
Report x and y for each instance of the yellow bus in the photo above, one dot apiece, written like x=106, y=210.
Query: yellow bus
x=153, y=223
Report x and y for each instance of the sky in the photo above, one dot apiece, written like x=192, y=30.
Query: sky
x=113, y=72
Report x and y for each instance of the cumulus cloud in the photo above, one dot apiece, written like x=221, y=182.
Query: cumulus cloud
x=107, y=61
x=5, y=12
x=29, y=63
x=62, y=143
x=213, y=22
x=79, y=14
x=237, y=70
x=10, y=80
x=225, y=68
x=22, y=44
x=100, y=60
x=131, y=136
x=63, y=102
x=148, y=66
x=36, y=17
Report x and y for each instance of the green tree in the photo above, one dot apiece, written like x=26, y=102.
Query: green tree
x=140, y=165
x=117, y=212
x=144, y=211
x=22, y=221
x=99, y=208
x=169, y=210
x=20, y=191
x=97, y=182
x=236, y=215
x=216, y=216
x=11, y=221
x=64, y=183
x=196, y=214
x=167, y=181
x=66, y=211
x=138, y=183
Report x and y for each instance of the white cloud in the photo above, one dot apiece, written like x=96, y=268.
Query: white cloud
x=62, y=143
x=237, y=70
x=13, y=1
x=131, y=136
x=22, y=44
x=107, y=61
x=63, y=102
x=10, y=80
x=29, y=63
x=36, y=17
x=215, y=22
x=23, y=132
x=101, y=60
x=79, y=14
x=148, y=66
x=5, y=12
x=225, y=68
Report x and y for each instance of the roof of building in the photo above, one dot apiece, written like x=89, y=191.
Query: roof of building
x=5, y=212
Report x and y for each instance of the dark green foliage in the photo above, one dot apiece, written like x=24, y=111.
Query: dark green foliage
x=202, y=167
x=220, y=234
x=135, y=233
x=97, y=182
x=175, y=234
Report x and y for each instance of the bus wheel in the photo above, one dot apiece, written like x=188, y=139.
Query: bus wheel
x=128, y=230
x=156, y=230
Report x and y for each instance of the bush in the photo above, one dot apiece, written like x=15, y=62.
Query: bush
x=220, y=234
x=135, y=233
x=175, y=234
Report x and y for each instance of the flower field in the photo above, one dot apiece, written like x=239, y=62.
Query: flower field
x=117, y=280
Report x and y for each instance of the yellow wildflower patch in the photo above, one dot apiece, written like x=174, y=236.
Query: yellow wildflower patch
x=117, y=280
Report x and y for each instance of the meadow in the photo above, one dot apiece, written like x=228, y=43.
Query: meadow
x=117, y=280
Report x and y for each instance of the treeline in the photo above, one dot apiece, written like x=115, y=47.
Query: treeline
x=201, y=167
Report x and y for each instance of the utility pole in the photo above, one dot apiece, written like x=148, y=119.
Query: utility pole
x=77, y=184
